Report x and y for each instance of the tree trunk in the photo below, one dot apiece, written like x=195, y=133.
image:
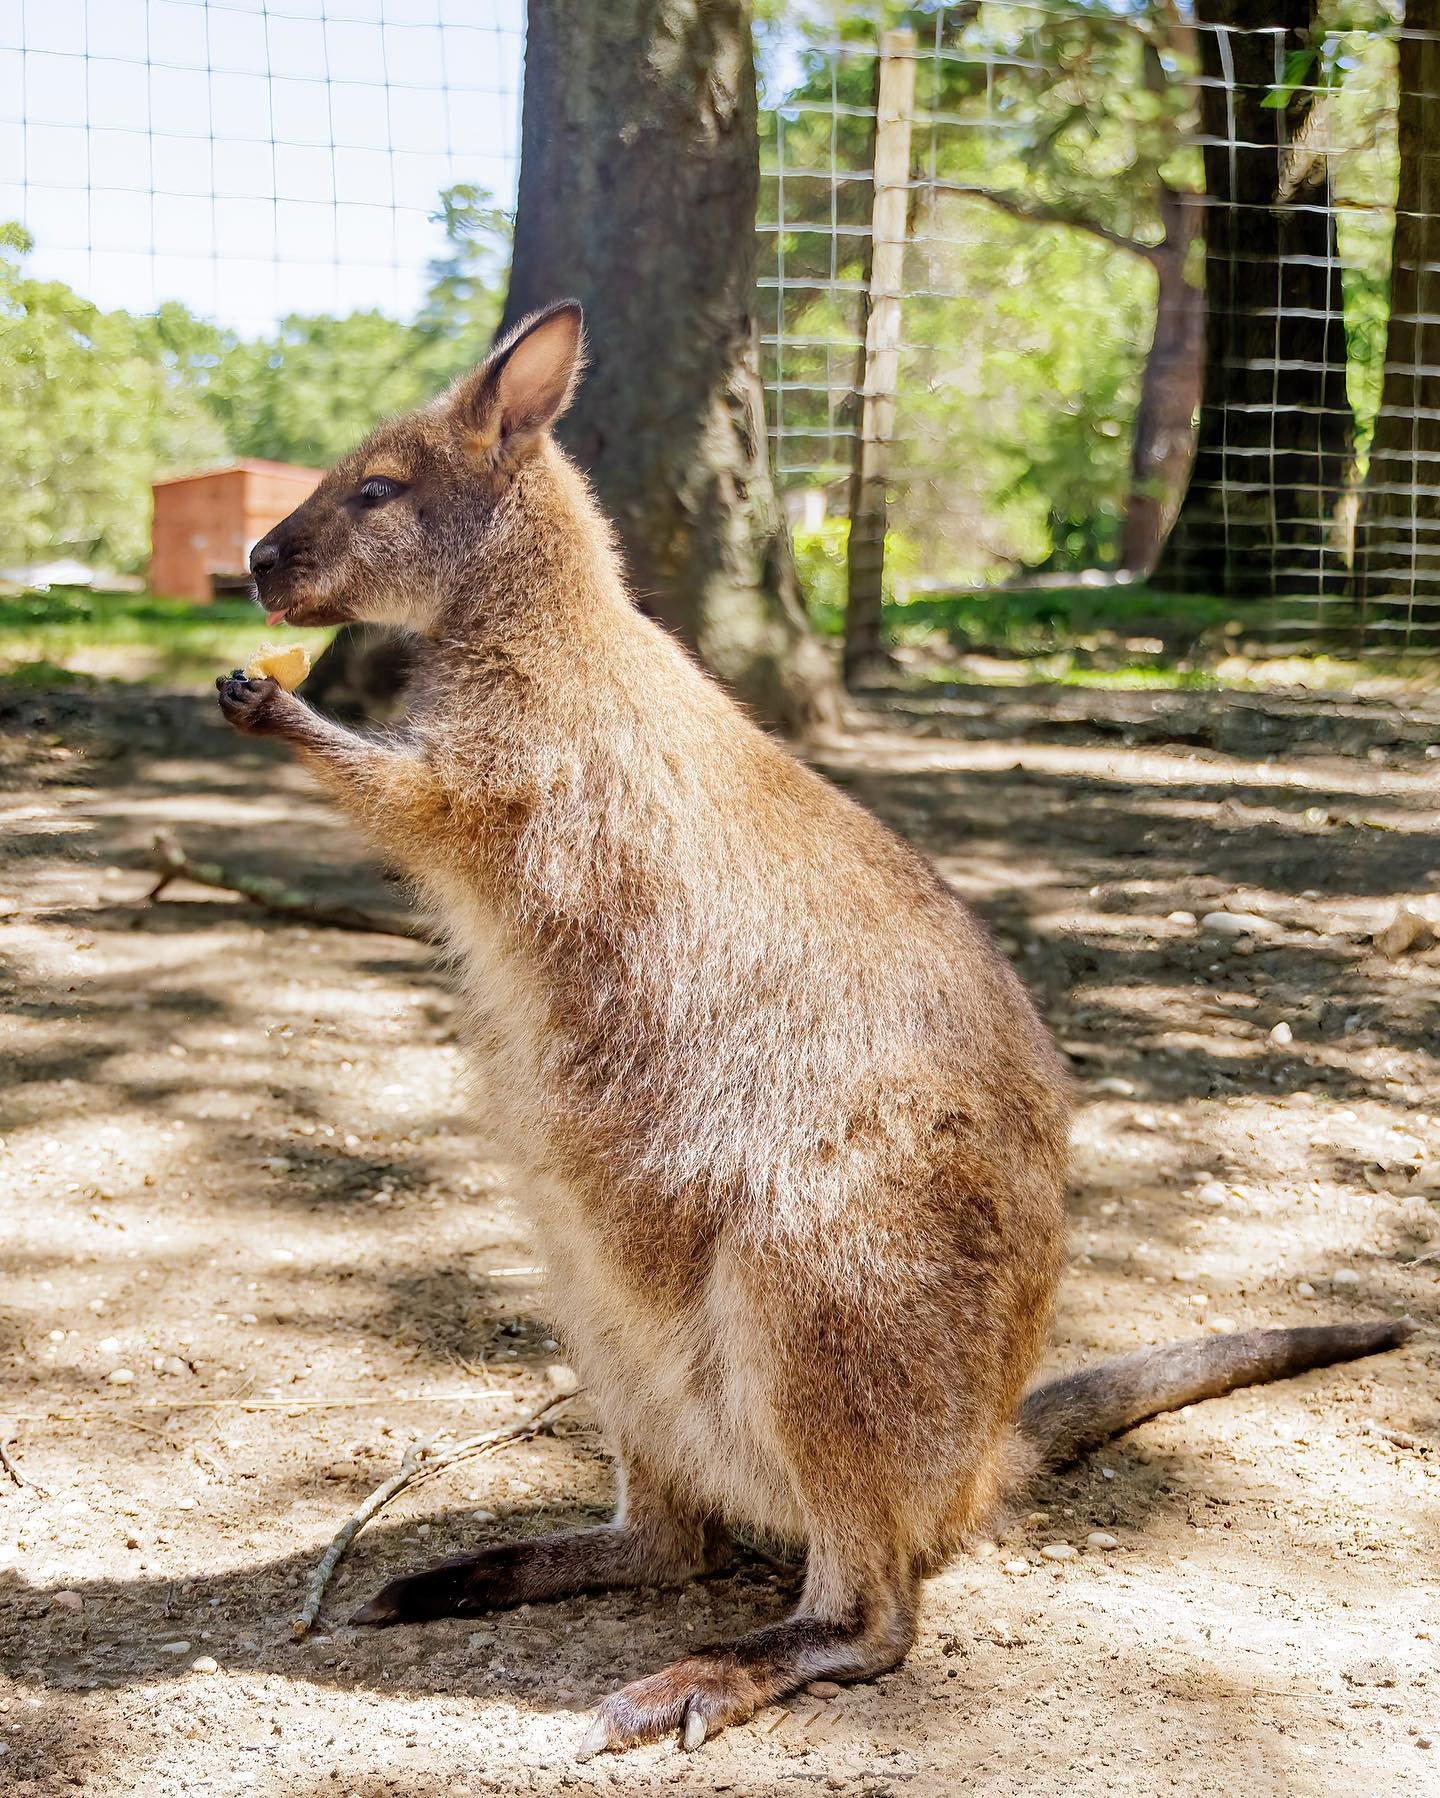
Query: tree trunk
x=639, y=175
x=1397, y=561
x=1276, y=428
x=866, y=656
x=1164, y=441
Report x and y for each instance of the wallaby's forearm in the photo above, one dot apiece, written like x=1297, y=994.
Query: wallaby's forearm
x=387, y=787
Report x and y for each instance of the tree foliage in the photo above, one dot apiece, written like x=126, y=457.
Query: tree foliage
x=77, y=453
x=95, y=405
x=308, y=392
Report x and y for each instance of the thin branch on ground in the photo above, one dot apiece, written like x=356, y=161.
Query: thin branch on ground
x=19, y=1478
x=416, y=1467
x=296, y=904
x=1398, y=1438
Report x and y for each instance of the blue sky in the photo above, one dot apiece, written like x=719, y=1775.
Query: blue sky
x=251, y=157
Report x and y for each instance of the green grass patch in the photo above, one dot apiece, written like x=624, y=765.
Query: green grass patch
x=69, y=634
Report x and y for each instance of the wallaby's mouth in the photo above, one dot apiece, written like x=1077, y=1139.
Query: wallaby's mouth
x=300, y=609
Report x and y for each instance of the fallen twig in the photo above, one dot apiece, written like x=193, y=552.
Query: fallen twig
x=277, y=896
x=1398, y=1438
x=15, y=1474
x=415, y=1467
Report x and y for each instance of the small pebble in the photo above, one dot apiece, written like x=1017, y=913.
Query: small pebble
x=1107, y=1473
x=174, y=1648
x=67, y=1601
x=1282, y=1034
x=1345, y=1276
x=1180, y=917
x=110, y=1345
x=1101, y=1539
x=1238, y=923
x=1305, y=1289
x=1114, y=1084
x=120, y=1376
x=564, y=1379
x=1015, y=1566
x=204, y=1663
x=1059, y=1551
x=823, y=1688
x=1408, y=929
x=1222, y=1326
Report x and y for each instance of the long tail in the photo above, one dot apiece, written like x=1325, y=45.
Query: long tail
x=1079, y=1411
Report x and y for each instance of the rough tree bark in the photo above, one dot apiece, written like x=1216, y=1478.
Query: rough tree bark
x=1164, y=440
x=639, y=175
x=1397, y=552
x=1276, y=428
x=1163, y=444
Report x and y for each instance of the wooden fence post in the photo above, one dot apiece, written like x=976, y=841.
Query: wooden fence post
x=865, y=651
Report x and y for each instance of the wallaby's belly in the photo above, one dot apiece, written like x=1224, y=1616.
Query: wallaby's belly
x=679, y=1383
x=686, y=1388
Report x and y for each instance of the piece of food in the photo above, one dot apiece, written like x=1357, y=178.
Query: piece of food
x=287, y=663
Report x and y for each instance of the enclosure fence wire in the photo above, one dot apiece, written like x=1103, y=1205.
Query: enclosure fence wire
x=1166, y=308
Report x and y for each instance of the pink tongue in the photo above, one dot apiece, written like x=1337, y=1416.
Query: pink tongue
x=274, y=618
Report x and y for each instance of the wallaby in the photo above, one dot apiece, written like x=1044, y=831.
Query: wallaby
x=792, y=1132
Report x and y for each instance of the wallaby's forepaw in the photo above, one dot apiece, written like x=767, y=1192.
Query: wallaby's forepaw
x=259, y=708
x=697, y=1697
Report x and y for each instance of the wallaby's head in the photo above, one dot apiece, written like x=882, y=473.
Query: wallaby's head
x=400, y=526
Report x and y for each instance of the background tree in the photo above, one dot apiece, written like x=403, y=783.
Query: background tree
x=1052, y=225
x=638, y=181
x=1398, y=538
x=308, y=393
x=78, y=454
x=1276, y=431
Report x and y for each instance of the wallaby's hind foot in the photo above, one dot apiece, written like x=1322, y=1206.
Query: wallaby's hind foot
x=864, y=1634
x=652, y=1545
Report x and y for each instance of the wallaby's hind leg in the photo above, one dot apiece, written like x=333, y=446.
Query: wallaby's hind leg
x=655, y=1540
x=849, y=1624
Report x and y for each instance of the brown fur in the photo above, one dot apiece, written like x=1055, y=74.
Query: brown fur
x=793, y=1135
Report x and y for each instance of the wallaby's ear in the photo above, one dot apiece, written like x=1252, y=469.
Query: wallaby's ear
x=526, y=383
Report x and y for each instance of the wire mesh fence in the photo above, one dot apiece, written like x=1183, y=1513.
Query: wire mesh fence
x=1049, y=291
x=252, y=158
x=1147, y=270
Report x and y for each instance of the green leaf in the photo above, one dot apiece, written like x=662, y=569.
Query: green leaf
x=1297, y=66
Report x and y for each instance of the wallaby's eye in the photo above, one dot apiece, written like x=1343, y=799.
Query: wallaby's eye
x=376, y=491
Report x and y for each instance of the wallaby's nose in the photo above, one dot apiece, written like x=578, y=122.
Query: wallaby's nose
x=264, y=557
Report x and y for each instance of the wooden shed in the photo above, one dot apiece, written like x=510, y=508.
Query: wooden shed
x=205, y=525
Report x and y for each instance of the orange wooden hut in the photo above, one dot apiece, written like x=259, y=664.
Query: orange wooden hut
x=205, y=525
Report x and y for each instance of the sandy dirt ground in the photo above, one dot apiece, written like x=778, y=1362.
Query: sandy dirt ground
x=254, y=1249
